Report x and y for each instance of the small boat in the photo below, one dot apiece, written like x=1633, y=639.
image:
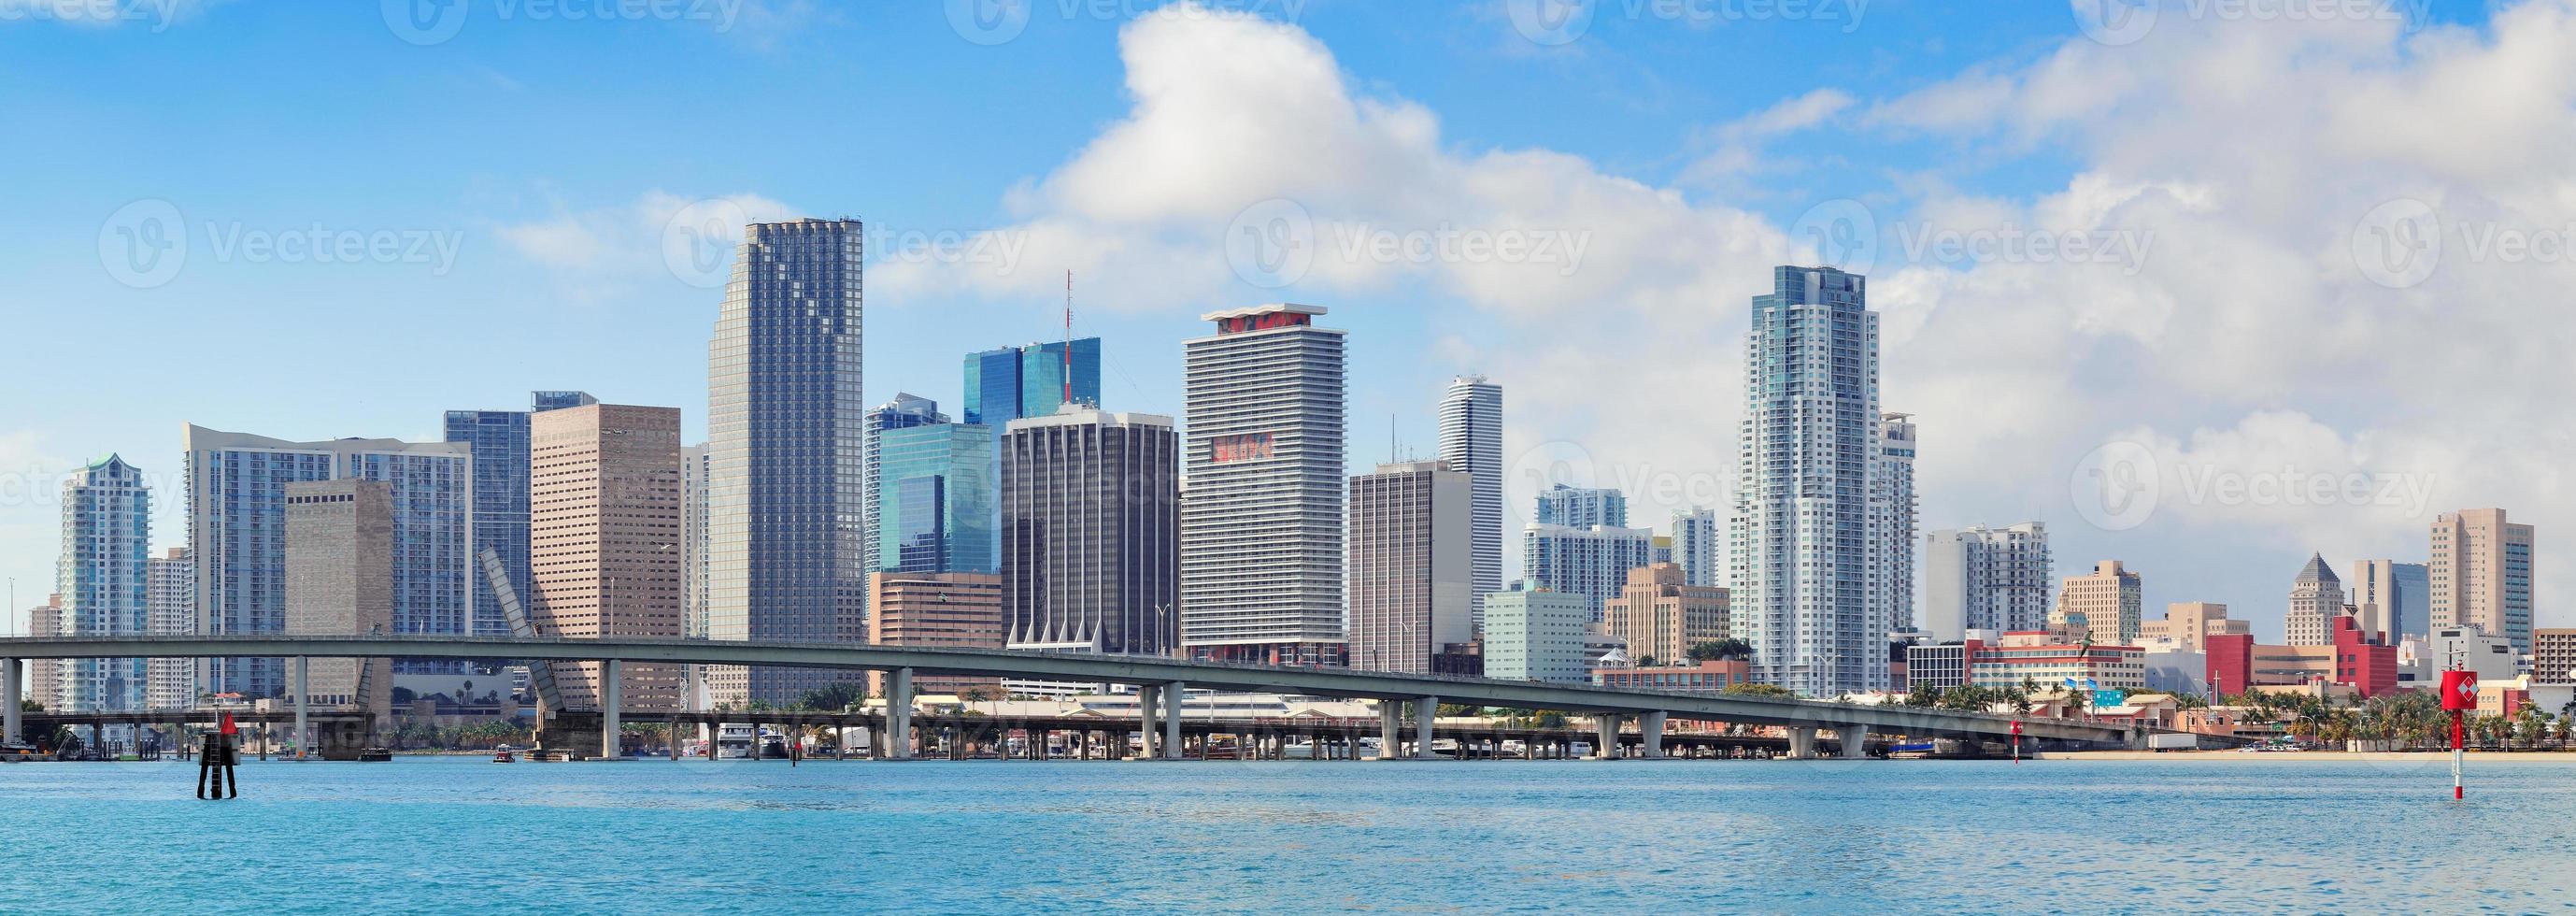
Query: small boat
x=374, y=755
x=503, y=756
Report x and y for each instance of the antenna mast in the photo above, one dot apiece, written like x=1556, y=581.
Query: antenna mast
x=1068, y=336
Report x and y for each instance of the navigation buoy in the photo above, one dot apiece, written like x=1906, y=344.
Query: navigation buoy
x=217, y=761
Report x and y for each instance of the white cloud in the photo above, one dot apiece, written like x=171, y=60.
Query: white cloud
x=658, y=239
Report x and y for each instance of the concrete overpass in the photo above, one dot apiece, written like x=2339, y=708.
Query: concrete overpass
x=1159, y=681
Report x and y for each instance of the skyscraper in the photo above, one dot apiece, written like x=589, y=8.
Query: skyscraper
x=237, y=535
x=1583, y=507
x=2391, y=597
x=1090, y=533
x=1261, y=527
x=1013, y=382
x=2105, y=606
x=1980, y=578
x=1411, y=562
x=2481, y=574
x=499, y=441
x=1660, y=617
x=904, y=412
x=1695, y=547
x=45, y=675
x=693, y=540
x=1471, y=441
x=2316, y=598
x=787, y=451
x=1591, y=562
x=103, y=574
x=170, y=609
x=340, y=582
x=936, y=500
x=1808, y=537
x=1891, y=515
x=605, y=483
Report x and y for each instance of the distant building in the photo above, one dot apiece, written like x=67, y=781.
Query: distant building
x=1013, y=383
x=2106, y=605
x=2040, y=657
x=2316, y=598
x=2553, y=656
x=45, y=675
x=2175, y=668
x=2394, y=599
x=1261, y=529
x=936, y=499
x=2481, y=573
x=103, y=572
x=1891, y=523
x=906, y=411
x=340, y=582
x=2188, y=623
x=1659, y=617
x=1411, y=565
x=606, y=543
x=1536, y=636
x=2346, y=658
x=942, y=610
x=1583, y=507
x=498, y=440
x=1471, y=441
x=1708, y=677
x=1941, y=666
x=693, y=540
x=1090, y=531
x=2467, y=648
x=1980, y=578
x=170, y=609
x=1696, y=547
x=787, y=454
x=1590, y=562
x=236, y=535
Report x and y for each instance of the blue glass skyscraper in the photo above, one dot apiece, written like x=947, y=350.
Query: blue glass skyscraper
x=499, y=440
x=936, y=487
x=1014, y=382
x=904, y=412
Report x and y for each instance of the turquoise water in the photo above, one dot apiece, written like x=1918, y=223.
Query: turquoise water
x=466, y=835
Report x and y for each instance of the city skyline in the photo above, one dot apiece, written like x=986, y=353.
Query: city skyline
x=2013, y=476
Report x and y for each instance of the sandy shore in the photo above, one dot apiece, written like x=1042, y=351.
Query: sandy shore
x=2475, y=757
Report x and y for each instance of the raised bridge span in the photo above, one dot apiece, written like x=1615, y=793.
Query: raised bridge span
x=1159, y=681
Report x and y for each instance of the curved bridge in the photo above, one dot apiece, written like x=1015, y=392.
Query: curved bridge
x=1157, y=676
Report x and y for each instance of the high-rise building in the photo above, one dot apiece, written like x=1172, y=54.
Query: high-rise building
x=1695, y=548
x=237, y=536
x=2316, y=598
x=936, y=503
x=1537, y=636
x=45, y=675
x=1810, y=587
x=1583, y=507
x=2391, y=598
x=787, y=452
x=943, y=610
x=1660, y=616
x=340, y=582
x=1471, y=440
x=2107, y=605
x=904, y=412
x=170, y=609
x=1981, y=578
x=1891, y=507
x=1090, y=533
x=605, y=542
x=1411, y=565
x=1261, y=527
x=2481, y=574
x=2553, y=656
x=693, y=540
x=2189, y=624
x=1589, y=562
x=1015, y=382
x=103, y=574
x=499, y=442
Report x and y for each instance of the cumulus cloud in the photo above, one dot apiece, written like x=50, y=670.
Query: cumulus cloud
x=660, y=238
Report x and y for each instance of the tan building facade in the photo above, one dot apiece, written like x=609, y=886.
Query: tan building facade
x=45, y=675
x=1660, y=617
x=604, y=541
x=2553, y=657
x=939, y=611
x=2481, y=569
x=2316, y=599
x=2190, y=623
x=340, y=582
x=2106, y=605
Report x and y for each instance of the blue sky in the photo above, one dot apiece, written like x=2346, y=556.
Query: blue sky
x=545, y=151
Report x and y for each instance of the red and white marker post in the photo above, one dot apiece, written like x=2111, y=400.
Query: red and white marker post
x=2459, y=697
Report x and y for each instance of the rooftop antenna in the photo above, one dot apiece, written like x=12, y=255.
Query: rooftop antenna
x=1068, y=336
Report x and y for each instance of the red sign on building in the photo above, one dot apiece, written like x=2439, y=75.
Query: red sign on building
x=1245, y=447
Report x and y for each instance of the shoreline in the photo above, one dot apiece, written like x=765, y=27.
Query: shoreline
x=2441, y=757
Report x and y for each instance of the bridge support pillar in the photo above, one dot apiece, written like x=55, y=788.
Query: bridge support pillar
x=1425, y=710
x=1802, y=742
x=611, y=696
x=1650, y=728
x=303, y=670
x=9, y=721
x=1149, y=696
x=1855, y=741
x=1390, y=721
x=1606, y=728
x=1172, y=720
x=898, y=715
